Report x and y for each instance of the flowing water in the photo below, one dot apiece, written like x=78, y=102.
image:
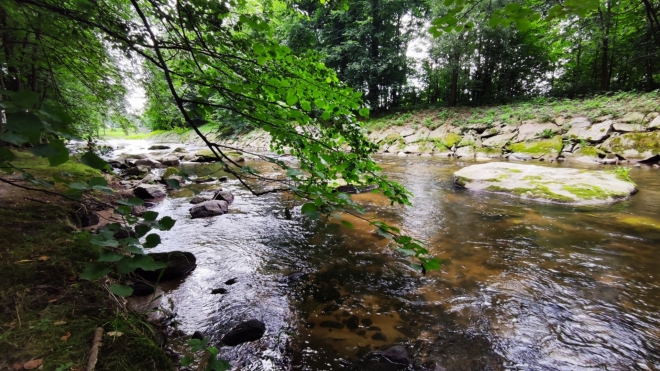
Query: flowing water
x=523, y=285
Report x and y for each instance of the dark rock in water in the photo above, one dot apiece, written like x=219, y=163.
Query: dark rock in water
x=137, y=170
x=326, y=294
x=362, y=333
x=295, y=277
x=179, y=150
x=209, y=208
x=353, y=189
x=224, y=196
x=379, y=336
x=247, y=331
x=397, y=354
x=353, y=322
x=115, y=164
x=231, y=281
x=87, y=218
x=148, y=162
x=197, y=335
x=149, y=191
x=223, y=179
x=330, y=309
x=141, y=288
x=123, y=233
x=179, y=264
x=332, y=324
x=374, y=328
x=366, y=322
x=138, y=210
x=198, y=200
x=158, y=147
x=170, y=161
x=219, y=291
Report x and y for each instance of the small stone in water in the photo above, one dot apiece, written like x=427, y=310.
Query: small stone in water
x=231, y=281
x=379, y=336
x=197, y=335
x=219, y=291
x=366, y=322
x=353, y=322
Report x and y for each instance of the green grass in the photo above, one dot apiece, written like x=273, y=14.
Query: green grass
x=39, y=166
x=42, y=300
x=538, y=147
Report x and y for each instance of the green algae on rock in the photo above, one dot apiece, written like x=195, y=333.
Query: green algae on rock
x=546, y=184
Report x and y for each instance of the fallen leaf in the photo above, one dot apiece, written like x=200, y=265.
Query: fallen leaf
x=52, y=301
x=66, y=337
x=59, y=323
x=18, y=366
x=31, y=365
x=43, y=258
x=25, y=261
x=115, y=333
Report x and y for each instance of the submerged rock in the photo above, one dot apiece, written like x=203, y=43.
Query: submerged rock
x=209, y=208
x=149, y=191
x=158, y=147
x=198, y=200
x=397, y=354
x=560, y=185
x=224, y=196
x=247, y=331
x=218, y=291
x=179, y=264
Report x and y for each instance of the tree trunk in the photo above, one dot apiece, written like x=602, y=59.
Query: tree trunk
x=374, y=91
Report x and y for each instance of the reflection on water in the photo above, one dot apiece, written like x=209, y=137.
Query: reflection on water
x=523, y=286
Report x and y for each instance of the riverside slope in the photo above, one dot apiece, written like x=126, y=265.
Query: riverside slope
x=559, y=185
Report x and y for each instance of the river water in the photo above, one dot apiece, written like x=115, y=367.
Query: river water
x=523, y=285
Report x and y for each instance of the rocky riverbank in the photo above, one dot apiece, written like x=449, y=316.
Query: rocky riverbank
x=632, y=138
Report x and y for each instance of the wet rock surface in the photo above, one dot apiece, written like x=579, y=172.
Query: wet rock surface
x=178, y=264
x=245, y=332
x=209, y=208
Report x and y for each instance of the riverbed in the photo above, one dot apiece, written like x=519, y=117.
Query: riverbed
x=523, y=285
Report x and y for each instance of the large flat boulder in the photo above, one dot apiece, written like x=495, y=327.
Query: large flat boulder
x=531, y=131
x=546, y=184
x=633, y=146
x=498, y=141
x=582, y=129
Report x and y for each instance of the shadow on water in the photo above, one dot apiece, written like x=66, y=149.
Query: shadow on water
x=523, y=285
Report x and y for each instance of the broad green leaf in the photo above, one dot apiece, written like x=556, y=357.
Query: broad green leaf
x=94, y=161
x=152, y=241
x=347, y=224
x=142, y=229
x=109, y=256
x=121, y=290
x=55, y=151
x=101, y=240
x=310, y=210
x=165, y=224
x=187, y=361
x=6, y=154
x=173, y=183
x=150, y=216
x=431, y=264
x=94, y=271
x=98, y=182
x=134, y=201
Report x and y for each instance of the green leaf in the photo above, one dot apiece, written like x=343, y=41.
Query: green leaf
x=25, y=99
x=55, y=151
x=173, y=183
x=79, y=186
x=310, y=210
x=101, y=240
x=98, y=181
x=291, y=99
x=134, y=201
x=165, y=224
x=6, y=154
x=142, y=229
x=110, y=257
x=152, y=241
x=406, y=252
x=14, y=138
x=94, y=271
x=121, y=290
x=150, y=216
x=364, y=112
x=187, y=361
x=92, y=160
x=347, y=224
x=431, y=264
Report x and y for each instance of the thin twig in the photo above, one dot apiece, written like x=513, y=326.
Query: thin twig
x=94, y=353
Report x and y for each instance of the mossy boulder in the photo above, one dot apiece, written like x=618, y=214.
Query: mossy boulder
x=206, y=155
x=634, y=145
x=546, y=184
x=640, y=223
x=539, y=148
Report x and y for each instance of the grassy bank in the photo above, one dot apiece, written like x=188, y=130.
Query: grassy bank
x=46, y=312
x=539, y=110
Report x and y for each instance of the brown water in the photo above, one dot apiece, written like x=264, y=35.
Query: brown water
x=523, y=285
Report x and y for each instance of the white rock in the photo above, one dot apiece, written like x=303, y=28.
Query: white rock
x=546, y=184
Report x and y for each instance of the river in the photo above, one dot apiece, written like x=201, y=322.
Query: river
x=523, y=285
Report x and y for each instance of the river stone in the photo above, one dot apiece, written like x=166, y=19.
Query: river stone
x=632, y=117
x=655, y=123
x=149, y=191
x=148, y=162
x=634, y=145
x=158, y=147
x=208, y=208
x=490, y=132
x=397, y=354
x=465, y=152
x=407, y=132
x=628, y=128
x=179, y=264
x=224, y=196
x=582, y=130
x=520, y=157
x=198, y=200
x=498, y=141
x=559, y=185
x=207, y=155
x=247, y=331
x=137, y=170
x=170, y=161
x=532, y=131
